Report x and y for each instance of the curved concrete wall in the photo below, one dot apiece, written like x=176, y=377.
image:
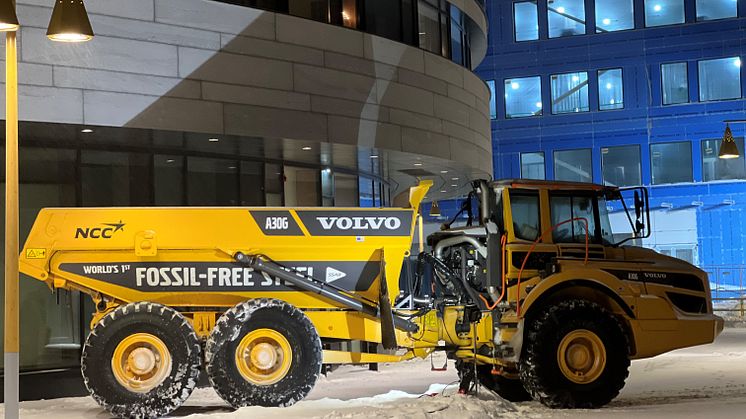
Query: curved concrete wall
x=202, y=66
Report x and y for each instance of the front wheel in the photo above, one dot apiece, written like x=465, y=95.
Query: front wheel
x=574, y=356
x=263, y=352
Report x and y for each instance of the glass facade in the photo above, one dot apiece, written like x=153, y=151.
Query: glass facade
x=460, y=49
x=523, y=97
x=614, y=15
x=493, y=99
x=525, y=21
x=664, y=12
x=714, y=168
x=566, y=17
x=621, y=165
x=610, y=89
x=570, y=93
x=719, y=79
x=675, y=83
x=671, y=162
x=573, y=165
x=716, y=9
x=59, y=167
x=532, y=166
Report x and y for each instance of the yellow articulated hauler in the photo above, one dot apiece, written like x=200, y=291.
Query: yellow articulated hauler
x=533, y=297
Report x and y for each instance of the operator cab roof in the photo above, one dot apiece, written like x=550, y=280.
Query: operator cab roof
x=550, y=184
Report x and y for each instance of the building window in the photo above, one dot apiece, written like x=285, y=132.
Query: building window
x=720, y=79
x=610, y=89
x=621, y=165
x=460, y=49
x=493, y=101
x=714, y=168
x=675, y=83
x=523, y=97
x=433, y=18
x=532, y=166
x=570, y=92
x=573, y=165
x=566, y=18
x=526, y=21
x=614, y=15
x=716, y=9
x=345, y=190
x=671, y=162
x=384, y=18
x=663, y=12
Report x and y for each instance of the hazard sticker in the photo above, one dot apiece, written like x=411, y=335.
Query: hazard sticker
x=36, y=253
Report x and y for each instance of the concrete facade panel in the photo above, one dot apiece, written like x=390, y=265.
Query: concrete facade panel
x=111, y=81
x=219, y=17
x=299, y=31
x=234, y=68
x=220, y=92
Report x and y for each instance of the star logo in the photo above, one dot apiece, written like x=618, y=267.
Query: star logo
x=117, y=226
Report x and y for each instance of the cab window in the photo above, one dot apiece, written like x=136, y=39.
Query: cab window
x=565, y=208
x=525, y=210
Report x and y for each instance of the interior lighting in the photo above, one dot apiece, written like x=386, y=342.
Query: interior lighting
x=608, y=86
x=561, y=9
x=657, y=7
x=728, y=148
x=538, y=105
x=444, y=171
x=69, y=22
x=435, y=209
x=306, y=148
x=606, y=21
x=373, y=156
x=737, y=62
x=418, y=164
x=86, y=130
x=575, y=78
x=514, y=85
x=213, y=140
x=8, y=17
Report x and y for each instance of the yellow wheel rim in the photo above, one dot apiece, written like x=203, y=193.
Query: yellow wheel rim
x=581, y=356
x=263, y=357
x=141, y=362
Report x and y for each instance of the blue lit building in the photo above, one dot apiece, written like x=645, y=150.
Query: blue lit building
x=628, y=92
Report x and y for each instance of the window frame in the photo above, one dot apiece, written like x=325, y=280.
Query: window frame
x=697, y=19
x=554, y=163
x=595, y=19
x=691, y=162
x=526, y=193
x=505, y=98
x=699, y=81
x=586, y=22
x=520, y=162
x=639, y=163
x=718, y=140
x=538, y=30
x=596, y=237
x=598, y=88
x=588, y=93
x=688, y=84
x=645, y=16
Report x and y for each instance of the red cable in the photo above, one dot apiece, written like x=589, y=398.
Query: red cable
x=533, y=246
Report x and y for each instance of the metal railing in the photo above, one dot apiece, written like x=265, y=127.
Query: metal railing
x=728, y=286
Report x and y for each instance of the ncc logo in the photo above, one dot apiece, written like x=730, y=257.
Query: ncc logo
x=99, y=232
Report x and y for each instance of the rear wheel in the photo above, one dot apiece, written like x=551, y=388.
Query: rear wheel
x=574, y=356
x=263, y=352
x=141, y=360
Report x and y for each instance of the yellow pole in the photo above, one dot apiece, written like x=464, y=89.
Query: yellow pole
x=11, y=228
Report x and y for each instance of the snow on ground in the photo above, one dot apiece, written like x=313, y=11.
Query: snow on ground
x=706, y=381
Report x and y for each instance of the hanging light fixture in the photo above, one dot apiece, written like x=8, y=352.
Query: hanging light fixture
x=69, y=22
x=8, y=17
x=435, y=209
x=728, y=148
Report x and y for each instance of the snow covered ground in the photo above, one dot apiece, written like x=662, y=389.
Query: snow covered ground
x=707, y=381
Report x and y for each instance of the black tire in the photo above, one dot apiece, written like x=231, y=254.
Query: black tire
x=539, y=366
x=172, y=329
x=511, y=390
x=277, y=316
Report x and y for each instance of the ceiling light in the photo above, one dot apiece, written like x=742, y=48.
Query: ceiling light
x=454, y=178
x=373, y=156
x=8, y=18
x=443, y=191
x=608, y=86
x=232, y=167
x=306, y=148
x=606, y=21
x=213, y=140
x=575, y=78
x=561, y=9
x=86, y=130
x=69, y=22
x=435, y=209
x=728, y=148
x=515, y=86
x=418, y=164
x=538, y=105
x=657, y=7
x=454, y=185
x=737, y=62
x=444, y=171
x=169, y=161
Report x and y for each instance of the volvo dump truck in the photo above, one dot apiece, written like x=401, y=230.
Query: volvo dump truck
x=532, y=295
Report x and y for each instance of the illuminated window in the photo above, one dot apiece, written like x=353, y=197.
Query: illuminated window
x=532, y=166
x=566, y=17
x=675, y=83
x=570, y=92
x=720, y=79
x=614, y=15
x=493, y=96
x=663, y=12
x=716, y=9
x=610, y=89
x=526, y=21
x=523, y=97
x=715, y=168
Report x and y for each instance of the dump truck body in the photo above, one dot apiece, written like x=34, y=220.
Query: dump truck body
x=271, y=294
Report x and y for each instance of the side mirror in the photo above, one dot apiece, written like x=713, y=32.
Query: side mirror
x=639, y=220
